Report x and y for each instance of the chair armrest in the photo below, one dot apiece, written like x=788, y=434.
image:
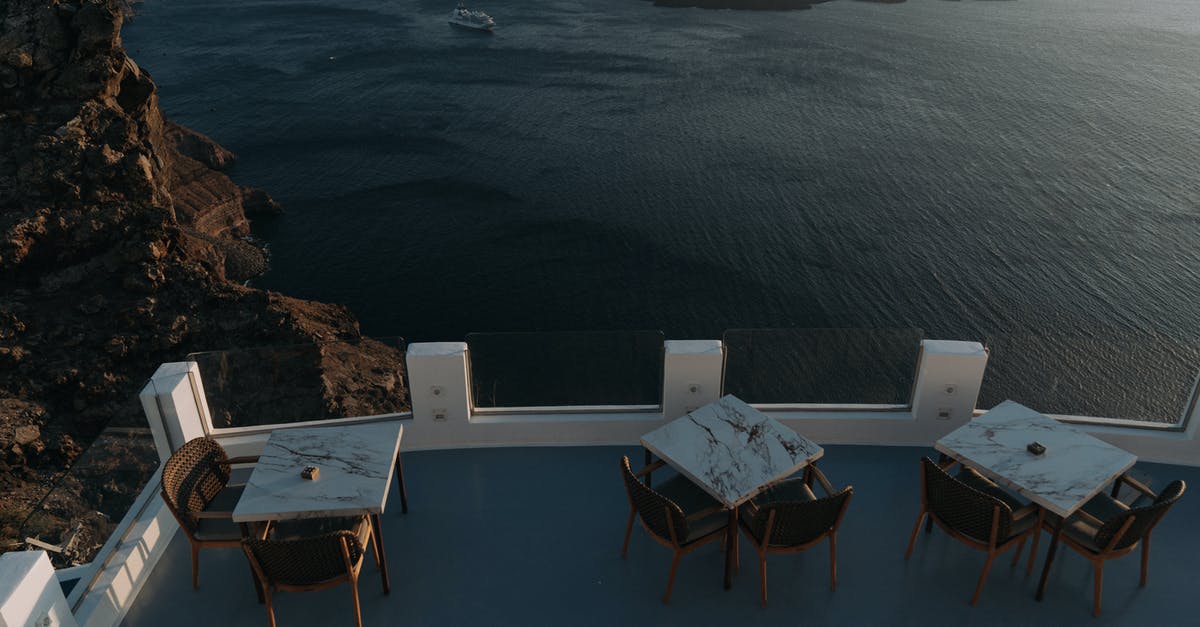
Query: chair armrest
x=704, y=513
x=1028, y=510
x=1089, y=518
x=651, y=468
x=822, y=479
x=212, y=514
x=1136, y=485
x=948, y=464
x=246, y=459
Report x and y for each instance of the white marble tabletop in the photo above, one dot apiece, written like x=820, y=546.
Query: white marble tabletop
x=731, y=450
x=1074, y=468
x=356, y=463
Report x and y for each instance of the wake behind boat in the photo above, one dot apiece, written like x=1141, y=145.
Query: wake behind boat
x=475, y=20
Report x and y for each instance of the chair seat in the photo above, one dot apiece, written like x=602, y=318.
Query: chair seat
x=709, y=524
x=790, y=491
x=972, y=478
x=691, y=498
x=1104, y=507
x=217, y=530
x=226, y=499
x=688, y=496
x=1083, y=532
x=979, y=482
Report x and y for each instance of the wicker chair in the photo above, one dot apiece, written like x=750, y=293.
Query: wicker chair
x=311, y=562
x=1105, y=528
x=976, y=512
x=661, y=511
x=789, y=518
x=195, y=487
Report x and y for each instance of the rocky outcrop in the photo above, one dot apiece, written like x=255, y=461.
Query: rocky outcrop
x=122, y=245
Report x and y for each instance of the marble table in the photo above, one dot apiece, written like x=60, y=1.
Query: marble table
x=733, y=452
x=1074, y=468
x=356, y=463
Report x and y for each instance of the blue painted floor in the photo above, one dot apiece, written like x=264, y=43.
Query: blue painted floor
x=532, y=536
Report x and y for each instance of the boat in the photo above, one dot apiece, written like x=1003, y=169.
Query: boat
x=475, y=20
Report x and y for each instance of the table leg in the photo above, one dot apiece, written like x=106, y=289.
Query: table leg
x=258, y=589
x=400, y=477
x=377, y=532
x=1041, y=591
x=649, y=460
x=731, y=539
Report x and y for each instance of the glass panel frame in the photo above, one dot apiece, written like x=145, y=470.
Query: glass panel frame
x=75, y=518
x=535, y=372
x=297, y=386
x=1091, y=384
x=827, y=365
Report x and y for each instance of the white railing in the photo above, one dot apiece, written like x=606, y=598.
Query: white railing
x=947, y=383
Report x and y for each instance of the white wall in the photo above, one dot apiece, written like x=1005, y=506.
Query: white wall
x=29, y=592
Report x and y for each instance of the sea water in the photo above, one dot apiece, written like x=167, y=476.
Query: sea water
x=1022, y=173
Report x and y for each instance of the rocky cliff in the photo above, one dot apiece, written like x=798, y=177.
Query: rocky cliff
x=123, y=245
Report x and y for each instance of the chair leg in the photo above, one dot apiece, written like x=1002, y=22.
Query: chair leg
x=762, y=576
x=270, y=608
x=1098, y=584
x=357, y=607
x=1017, y=555
x=737, y=554
x=1037, y=537
x=1145, y=559
x=833, y=562
x=913, y=540
x=671, y=579
x=195, y=567
x=987, y=567
x=628, y=532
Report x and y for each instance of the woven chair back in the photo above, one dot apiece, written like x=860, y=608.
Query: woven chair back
x=193, y=477
x=799, y=522
x=963, y=508
x=1144, y=518
x=304, y=561
x=653, y=507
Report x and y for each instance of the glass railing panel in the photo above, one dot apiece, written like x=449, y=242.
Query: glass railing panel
x=566, y=369
x=1133, y=375
x=86, y=504
x=302, y=382
x=822, y=366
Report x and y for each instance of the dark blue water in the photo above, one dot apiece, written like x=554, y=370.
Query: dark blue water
x=1019, y=172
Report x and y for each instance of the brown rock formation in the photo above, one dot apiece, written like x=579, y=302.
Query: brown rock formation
x=122, y=246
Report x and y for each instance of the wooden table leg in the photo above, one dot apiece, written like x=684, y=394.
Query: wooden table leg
x=730, y=546
x=1041, y=591
x=377, y=532
x=400, y=477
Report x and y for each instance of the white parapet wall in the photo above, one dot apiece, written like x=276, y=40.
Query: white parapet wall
x=30, y=595
x=174, y=404
x=949, y=376
x=692, y=372
x=439, y=383
x=947, y=383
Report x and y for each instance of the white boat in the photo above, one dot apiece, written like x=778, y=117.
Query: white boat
x=474, y=20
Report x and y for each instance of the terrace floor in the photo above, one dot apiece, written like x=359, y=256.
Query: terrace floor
x=531, y=536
